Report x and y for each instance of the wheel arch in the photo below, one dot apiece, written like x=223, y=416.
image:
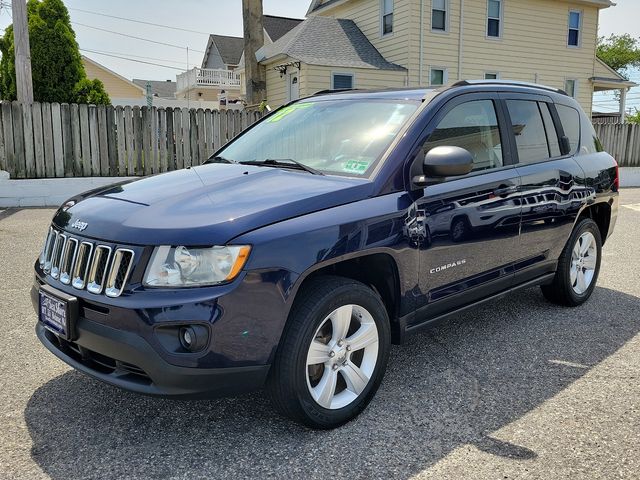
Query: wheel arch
x=600, y=213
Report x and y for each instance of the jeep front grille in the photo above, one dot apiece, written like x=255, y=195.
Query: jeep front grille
x=84, y=264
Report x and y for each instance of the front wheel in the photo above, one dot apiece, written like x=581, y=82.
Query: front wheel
x=578, y=266
x=333, y=354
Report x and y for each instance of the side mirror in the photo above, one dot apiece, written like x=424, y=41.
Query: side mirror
x=445, y=162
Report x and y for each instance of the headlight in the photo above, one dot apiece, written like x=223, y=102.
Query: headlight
x=187, y=267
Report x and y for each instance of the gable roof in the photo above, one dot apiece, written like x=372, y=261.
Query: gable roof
x=277, y=27
x=328, y=41
x=160, y=89
x=108, y=71
x=230, y=48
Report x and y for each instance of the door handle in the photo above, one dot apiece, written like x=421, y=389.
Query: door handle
x=503, y=191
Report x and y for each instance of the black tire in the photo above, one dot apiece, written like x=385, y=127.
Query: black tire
x=287, y=382
x=460, y=228
x=561, y=290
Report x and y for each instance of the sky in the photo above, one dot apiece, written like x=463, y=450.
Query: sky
x=223, y=17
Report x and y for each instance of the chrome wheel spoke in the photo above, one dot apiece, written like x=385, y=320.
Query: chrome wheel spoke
x=589, y=262
x=573, y=275
x=585, y=244
x=355, y=378
x=318, y=353
x=341, y=320
x=363, y=337
x=325, y=390
x=581, y=284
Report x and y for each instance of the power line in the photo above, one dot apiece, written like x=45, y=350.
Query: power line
x=133, y=60
x=139, y=21
x=144, y=57
x=182, y=47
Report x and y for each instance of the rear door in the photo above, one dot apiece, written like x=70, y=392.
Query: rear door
x=552, y=183
x=470, y=224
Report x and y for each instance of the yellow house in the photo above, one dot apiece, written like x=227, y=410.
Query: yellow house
x=394, y=43
x=121, y=91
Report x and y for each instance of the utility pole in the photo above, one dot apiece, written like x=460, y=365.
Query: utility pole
x=24, y=81
x=256, y=76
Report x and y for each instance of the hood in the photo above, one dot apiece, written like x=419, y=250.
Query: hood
x=205, y=205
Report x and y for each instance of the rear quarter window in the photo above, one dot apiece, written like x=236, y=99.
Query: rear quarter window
x=570, y=119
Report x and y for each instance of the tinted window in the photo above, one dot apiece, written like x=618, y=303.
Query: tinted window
x=550, y=129
x=473, y=126
x=570, y=119
x=528, y=128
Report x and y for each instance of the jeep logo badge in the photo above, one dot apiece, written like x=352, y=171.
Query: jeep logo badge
x=79, y=225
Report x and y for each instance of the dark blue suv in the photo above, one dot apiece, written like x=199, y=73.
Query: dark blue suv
x=335, y=226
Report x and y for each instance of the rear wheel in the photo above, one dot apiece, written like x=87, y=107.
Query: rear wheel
x=333, y=354
x=578, y=266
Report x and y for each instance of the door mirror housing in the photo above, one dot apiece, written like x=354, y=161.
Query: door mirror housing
x=444, y=162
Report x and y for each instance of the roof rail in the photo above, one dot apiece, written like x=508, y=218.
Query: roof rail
x=514, y=83
x=334, y=90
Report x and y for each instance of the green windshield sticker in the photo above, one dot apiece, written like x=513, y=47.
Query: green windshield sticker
x=356, y=166
x=279, y=115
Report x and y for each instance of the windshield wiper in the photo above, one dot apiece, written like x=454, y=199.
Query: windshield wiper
x=219, y=159
x=283, y=163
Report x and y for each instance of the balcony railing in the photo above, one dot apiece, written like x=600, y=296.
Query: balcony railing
x=208, y=77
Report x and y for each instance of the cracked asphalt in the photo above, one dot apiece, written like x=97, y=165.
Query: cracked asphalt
x=514, y=389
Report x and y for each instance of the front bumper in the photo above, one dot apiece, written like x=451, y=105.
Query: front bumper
x=127, y=361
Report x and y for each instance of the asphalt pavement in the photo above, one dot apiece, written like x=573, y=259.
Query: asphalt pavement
x=515, y=389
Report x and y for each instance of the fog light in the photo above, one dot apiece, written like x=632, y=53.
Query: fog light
x=193, y=338
x=188, y=338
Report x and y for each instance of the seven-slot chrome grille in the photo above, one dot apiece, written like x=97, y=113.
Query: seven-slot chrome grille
x=84, y=264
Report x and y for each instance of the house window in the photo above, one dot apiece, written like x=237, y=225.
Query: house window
x=575, y=25
x=386, y=14
x=439, y=15
x=494, y=18
x=437, y=76
x=491, y=75
x=570, y=86
x=342, y=81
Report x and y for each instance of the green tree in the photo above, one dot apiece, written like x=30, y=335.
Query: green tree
x=635, y=118
x=56, y=64
x=620, y=52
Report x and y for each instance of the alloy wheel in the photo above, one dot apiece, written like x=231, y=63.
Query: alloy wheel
x=584, y=259
x=342, y=356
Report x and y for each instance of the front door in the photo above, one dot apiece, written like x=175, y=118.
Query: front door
x=471, y=222
x=294, y=85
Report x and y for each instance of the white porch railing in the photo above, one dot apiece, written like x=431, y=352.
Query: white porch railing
x=208, y=77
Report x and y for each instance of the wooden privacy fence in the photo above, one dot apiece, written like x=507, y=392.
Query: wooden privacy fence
x=622, y=140
x=47, y=140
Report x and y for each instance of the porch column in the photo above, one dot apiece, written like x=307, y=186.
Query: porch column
x=623, y=105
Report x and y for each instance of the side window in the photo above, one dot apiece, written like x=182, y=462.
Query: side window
x=386, y=17
x=474, y=126
x=550, y=129
x=528, y=128
x=439, y=18
x=575, y=28
x=494, y=18
x=570, y=119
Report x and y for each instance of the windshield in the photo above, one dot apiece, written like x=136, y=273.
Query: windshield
x=344, y=137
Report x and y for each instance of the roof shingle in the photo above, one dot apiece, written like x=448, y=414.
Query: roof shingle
x=328, y=41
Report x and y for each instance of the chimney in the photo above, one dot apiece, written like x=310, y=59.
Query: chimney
x=255, y=73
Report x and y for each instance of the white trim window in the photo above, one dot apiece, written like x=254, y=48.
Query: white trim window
x=491, y=75
x=571, y=87
x=437, y=76
x=386, y=17
x=440, y=15
x=494, y=18
x=574, y=38
x=342, y=81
